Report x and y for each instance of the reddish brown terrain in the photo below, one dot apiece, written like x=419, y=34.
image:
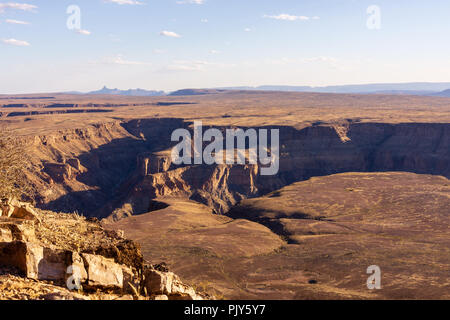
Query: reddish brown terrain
x=363, y=181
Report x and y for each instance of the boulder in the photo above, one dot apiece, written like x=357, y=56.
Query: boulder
x=13, y=208
x=157, y=282
x=53, y=264
x=93, y=271
x=21, y=230
x=39, y=263
x=24, y=256
x=102, y=272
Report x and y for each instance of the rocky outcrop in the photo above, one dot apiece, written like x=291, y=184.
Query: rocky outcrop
x=103, y=272
x=13, y=208
x=114, y=265
x=58, y=172
x=37, y=262
x=219, y=187
x=167, y=284
x=158, y=282
x=17, y=230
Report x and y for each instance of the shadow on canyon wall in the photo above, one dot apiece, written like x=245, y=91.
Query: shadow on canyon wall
x=111, y=170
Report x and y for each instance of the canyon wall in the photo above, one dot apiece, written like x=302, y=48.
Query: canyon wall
x=121, y=167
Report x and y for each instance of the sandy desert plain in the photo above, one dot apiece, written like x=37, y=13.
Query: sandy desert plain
x=363, y=181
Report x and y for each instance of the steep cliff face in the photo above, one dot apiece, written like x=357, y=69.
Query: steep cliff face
x=316, y=151
x=419, y=148
x=81, y=165
x=219, y=187
x=122, y=167
x=81, y=170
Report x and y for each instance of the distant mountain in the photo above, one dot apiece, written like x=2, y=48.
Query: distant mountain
x=129, y=92
x=414, y=88
x=439, y=89
x=445, y=93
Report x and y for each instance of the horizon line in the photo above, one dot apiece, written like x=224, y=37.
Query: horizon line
x=231, y=87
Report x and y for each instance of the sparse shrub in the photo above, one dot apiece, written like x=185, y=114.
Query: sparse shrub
x=13, y=164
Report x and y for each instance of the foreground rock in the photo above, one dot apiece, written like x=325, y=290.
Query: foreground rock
x=167, y=284
x=103, y=272
x=13, y=208
x=16, y=230
x=80, y=261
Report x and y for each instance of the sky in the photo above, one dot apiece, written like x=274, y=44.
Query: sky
x=83, y=45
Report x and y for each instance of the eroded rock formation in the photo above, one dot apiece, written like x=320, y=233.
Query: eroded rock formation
x=121, y=167
x=80, y=260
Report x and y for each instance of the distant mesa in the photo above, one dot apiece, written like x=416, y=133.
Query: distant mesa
x=129, y=92
x=412, y=88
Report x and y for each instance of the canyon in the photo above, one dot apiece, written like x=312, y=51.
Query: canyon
x=241, y=234
x=132, y=160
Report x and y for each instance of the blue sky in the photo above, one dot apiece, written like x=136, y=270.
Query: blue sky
x=173, y=44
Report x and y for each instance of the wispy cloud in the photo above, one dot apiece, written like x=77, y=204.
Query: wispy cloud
x=195, y=65
x=170, y=34
x=83, y=32
x=120, y=60
x=182, y=65
x=15, y=42
x=12, y=21
x=289, y=17
x=122, y=2
x=191, y=2
x=16, y=6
